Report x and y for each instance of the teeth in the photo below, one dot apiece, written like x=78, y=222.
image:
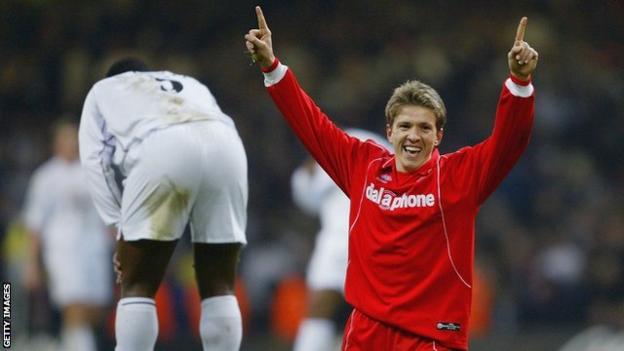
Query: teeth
x=412, y=149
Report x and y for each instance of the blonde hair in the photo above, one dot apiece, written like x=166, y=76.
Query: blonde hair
x=416, y=93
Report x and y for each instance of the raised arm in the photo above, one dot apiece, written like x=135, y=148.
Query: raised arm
x=497, y=155
x=334, y=150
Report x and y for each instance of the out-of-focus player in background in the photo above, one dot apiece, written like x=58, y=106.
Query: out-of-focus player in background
x=160, y=154
x=70, y=239
x=316, y=194
x=412, y=213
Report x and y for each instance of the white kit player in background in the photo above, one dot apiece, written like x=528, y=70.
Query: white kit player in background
x=160, y=155
x=73, y=242
x=316, y=194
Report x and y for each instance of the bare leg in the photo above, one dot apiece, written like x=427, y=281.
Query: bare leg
x=215, y=267
x=78, y=326
x=318, y=331
x=143, y=263
x=323, y=303
x=220, y=326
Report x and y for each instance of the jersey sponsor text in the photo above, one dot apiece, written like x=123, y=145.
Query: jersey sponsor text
x=388, y=200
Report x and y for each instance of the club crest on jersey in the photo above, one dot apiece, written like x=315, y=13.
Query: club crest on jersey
x=387, y=200
x=385, y=177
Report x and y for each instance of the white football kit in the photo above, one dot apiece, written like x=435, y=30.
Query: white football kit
x=317, y=194
x=159, y=154
x=76, y=246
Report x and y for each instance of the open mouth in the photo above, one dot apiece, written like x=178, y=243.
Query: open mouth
x=412, y=150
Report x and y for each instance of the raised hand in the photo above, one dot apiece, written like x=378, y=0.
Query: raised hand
x=258, y=42
x=522, y=58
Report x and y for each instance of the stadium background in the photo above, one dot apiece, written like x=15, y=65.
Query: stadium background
x=550, y=247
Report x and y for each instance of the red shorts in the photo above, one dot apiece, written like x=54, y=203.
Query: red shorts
x=365, y=334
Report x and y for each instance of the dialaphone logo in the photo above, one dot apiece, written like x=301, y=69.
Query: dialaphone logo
x=388, y=200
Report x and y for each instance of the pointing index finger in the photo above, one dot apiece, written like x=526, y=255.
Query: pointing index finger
x=261, y=21
x=521, y=28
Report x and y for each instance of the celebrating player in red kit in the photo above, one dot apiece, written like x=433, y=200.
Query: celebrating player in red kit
x=412, y=214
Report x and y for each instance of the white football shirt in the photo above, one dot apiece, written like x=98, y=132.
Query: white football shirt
x=120, y=111
x=58, y=207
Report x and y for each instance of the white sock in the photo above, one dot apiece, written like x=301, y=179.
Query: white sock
x=80, y=338
x=220, y=325
x=136, y=325
x=315, y=334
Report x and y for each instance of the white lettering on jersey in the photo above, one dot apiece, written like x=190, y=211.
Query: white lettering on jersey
x=388, y=200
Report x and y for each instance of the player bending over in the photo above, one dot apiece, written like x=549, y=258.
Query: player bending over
x=160, y=154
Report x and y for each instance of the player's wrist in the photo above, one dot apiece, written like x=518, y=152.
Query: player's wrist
x=270, y=66
x=520, y=79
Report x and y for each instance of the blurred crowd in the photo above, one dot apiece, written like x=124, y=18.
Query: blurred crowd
x=550, y=241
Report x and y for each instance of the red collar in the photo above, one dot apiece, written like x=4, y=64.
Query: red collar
x=424, y=169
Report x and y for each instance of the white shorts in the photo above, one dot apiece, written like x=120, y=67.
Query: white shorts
x=192, y=173
x=79, y=273
x=328, y=264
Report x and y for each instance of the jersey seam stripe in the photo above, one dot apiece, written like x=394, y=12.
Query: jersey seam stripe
x=114, y=190
x=362, y=196
x=374, y=143
x=448, y=244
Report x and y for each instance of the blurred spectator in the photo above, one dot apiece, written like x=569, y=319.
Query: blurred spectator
x=70, y=248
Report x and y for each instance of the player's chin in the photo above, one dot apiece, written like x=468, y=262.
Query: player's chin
x=410, y=162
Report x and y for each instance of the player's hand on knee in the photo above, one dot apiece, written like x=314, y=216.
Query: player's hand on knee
x=258, y=42
x=117, y=268
x=522, y=58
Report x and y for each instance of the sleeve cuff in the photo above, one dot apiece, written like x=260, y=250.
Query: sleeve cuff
x=518, y=80
x=271, y=67
x=519, y=87
x=275, y=75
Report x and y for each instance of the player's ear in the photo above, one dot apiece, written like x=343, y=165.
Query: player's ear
x=439, y=136
x=388, y=132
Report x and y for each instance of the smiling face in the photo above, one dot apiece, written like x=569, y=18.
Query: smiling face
x=414, y=136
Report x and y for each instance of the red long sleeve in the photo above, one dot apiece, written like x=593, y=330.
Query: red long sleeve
x=411, y=237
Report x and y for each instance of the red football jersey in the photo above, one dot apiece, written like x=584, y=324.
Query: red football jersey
x=411, y=235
